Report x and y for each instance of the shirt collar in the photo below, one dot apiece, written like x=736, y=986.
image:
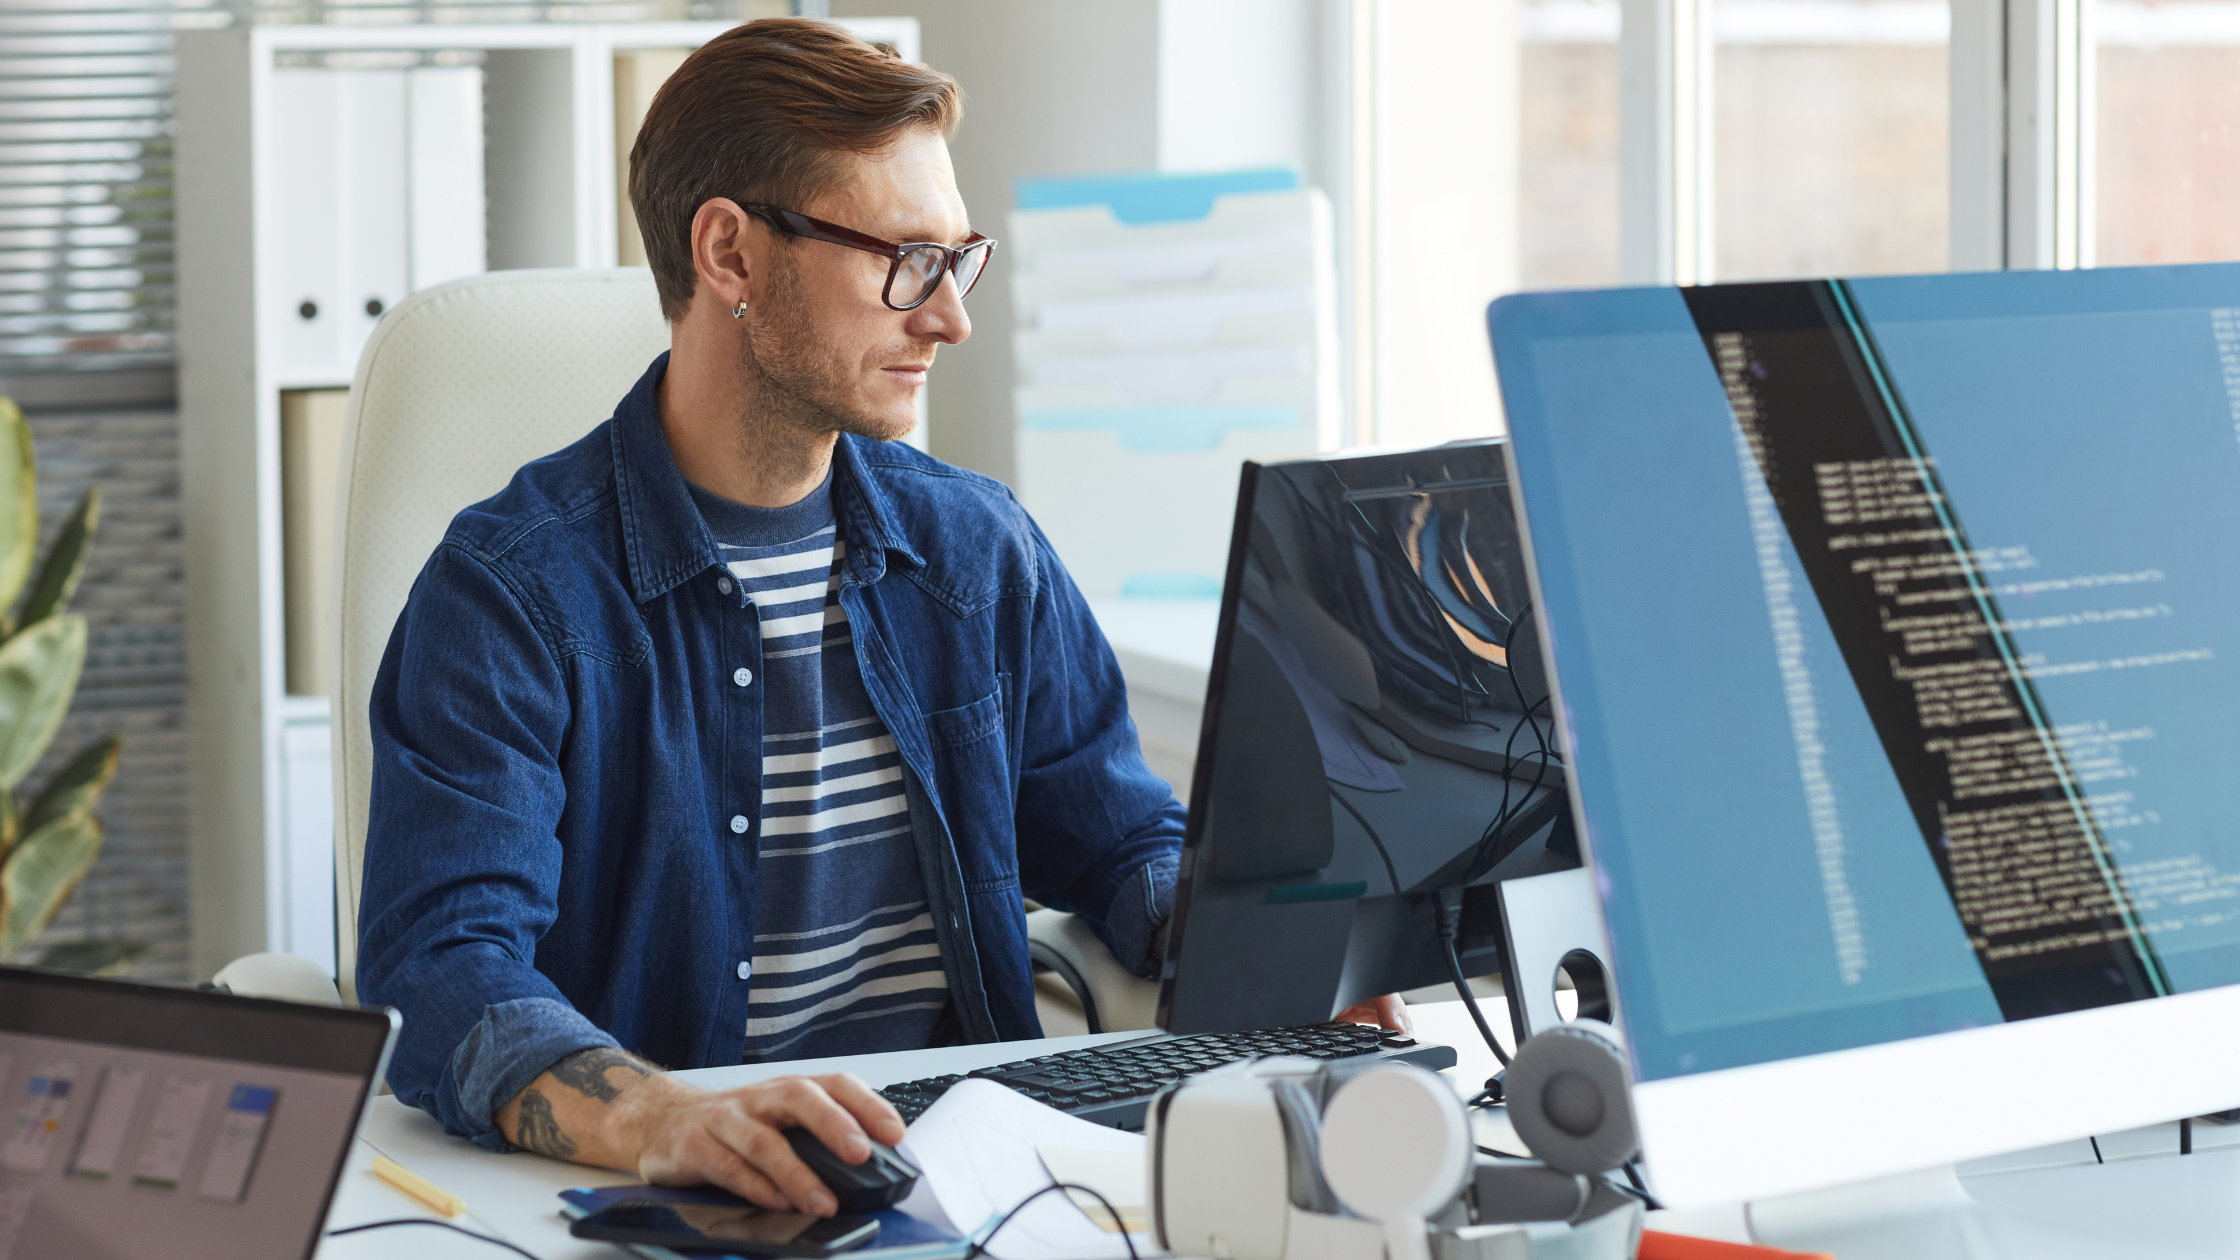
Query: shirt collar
x=663, y=534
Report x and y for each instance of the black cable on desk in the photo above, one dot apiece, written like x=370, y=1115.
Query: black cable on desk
x=979, y=1246
x=1633, y=1177
x=1469, y=999
x=422, y=1220
x=1450, y=927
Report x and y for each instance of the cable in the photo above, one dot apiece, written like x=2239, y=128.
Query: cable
x=980, y=1245
x=1469, y=999
x=1487, y=1150
x=1450, y=926
x=421, y=1220
x=1648, y=1200
x=1390, y=871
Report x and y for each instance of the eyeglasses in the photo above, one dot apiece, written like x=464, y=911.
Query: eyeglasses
x=913, y=272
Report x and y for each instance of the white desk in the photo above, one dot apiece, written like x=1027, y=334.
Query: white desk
x=2127, y=1200
x=512, y=1196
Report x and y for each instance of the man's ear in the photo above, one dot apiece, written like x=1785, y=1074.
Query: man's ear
x=726, y=251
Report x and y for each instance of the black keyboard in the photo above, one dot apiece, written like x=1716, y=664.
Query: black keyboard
x=1112, y=1085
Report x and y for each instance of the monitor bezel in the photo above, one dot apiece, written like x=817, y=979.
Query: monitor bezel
x=1815, y=1121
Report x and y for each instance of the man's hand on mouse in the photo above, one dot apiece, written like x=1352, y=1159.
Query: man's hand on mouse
x=613, y=1110
x=736, y=1138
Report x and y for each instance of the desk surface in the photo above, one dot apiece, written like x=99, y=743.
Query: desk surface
x=512, y=1196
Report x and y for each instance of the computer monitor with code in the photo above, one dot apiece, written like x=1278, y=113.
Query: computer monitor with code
x=1896, y=623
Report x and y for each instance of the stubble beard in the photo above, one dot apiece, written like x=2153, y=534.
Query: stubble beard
x=794, y=377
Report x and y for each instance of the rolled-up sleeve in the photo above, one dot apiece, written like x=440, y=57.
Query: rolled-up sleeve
x=1100, y=834
x=510, y=1046
x=469, y=713
x=1138, y=912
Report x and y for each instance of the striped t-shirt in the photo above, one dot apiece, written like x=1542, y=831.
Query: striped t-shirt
x=845, y=956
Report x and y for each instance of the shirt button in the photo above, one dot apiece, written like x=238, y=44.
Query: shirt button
x=738, y=824
x=723, y=584
x=742, y=676
x=745, y=970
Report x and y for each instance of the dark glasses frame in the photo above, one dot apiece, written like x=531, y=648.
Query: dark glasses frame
x=795, y=223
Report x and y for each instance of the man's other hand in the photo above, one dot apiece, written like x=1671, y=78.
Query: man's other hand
x=1385, y=1012
x=612, y=1110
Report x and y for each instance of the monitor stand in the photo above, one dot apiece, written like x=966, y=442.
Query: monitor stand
x=2140, y=1209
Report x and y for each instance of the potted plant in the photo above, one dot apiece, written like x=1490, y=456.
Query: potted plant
x=48, y=838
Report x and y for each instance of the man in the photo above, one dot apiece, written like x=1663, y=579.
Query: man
x=736, y=731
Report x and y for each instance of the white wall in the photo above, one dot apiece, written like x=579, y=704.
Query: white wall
x=1056, y=87
x=1238, y=81
x=1446, y=211
x=1050, y=88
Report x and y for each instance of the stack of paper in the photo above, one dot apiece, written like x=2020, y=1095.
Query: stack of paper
x=1169, y=328
x=981, y=1150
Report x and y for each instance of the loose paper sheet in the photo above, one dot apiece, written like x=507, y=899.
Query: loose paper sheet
x=977, y=1148
x=1117, y=1175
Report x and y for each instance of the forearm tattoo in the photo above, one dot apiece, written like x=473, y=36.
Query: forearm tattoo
x=539, y=1130
x=585, y=1072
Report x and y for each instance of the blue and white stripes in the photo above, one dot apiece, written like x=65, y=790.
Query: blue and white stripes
x=846, y=960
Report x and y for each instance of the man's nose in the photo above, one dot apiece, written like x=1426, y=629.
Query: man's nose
x=941, y=318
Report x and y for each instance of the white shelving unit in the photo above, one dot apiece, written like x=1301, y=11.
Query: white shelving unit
x=323, y=173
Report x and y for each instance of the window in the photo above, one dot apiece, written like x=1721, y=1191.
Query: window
x=2168, y=148
x=1832, y=152
x=1567, y=161
x=85, y=189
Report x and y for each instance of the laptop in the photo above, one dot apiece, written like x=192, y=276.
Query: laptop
x=138, y=1120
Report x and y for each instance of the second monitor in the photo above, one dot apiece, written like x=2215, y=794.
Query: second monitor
x=1376, y=741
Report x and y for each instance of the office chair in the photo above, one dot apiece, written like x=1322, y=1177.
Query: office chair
x=460, y=385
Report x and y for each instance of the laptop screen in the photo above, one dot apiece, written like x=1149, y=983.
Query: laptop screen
x=139, y=1121
x=1896, y=628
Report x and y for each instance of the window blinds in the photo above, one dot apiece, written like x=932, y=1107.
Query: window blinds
x=86, y=269
x=87, y=275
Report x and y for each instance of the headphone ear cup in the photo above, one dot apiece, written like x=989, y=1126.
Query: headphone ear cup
x=1569, y=1092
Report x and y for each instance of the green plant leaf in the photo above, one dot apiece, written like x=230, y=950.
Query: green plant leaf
x=76, y=786
x=39, y=671
x=92, y=958
x=11, y=822
x=40, y=873
x=19, y=506
x=66, y=561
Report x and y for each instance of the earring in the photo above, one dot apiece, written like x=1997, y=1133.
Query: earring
x=741, y=311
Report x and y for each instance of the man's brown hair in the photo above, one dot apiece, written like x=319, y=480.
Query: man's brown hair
x=765, y=112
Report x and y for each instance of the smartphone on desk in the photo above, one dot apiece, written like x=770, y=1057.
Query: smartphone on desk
x=741, y=1229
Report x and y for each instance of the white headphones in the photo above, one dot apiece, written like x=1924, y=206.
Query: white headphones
x=1396, y=1149
x=1570, y=1095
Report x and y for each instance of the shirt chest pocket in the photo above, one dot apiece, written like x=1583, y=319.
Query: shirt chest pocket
x=972, y=774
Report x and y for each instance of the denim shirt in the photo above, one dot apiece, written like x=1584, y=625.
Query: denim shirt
x=566, y=764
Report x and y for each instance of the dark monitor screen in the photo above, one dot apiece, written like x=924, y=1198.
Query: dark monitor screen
x=1376, y=729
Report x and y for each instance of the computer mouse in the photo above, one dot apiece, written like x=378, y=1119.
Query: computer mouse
x=874, y=1185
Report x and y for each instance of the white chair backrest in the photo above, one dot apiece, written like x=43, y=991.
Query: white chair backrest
x=460, y=385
